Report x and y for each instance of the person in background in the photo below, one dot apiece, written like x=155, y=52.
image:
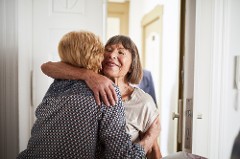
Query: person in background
x=122, y=65
x=69, y=122
x=236, y=147
x=147, y=84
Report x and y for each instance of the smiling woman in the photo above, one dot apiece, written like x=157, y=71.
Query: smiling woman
x=121, y=51
x=69, y=122
x=122, y=65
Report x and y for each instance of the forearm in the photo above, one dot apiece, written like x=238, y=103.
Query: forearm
x=150, y=136
x=147, y=142
x=154, y=152
x=61, y=70
x=101, y=86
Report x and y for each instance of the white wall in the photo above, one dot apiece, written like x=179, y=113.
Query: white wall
x=215, y=95
x=170, y=55
x=24, y=67
x=231, y=106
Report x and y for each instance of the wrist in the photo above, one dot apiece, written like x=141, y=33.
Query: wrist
x=86, y=75
x=146, y=144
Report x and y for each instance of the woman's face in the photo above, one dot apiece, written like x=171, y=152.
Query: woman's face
x=117, y=61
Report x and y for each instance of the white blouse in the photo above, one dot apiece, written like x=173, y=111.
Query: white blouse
x=140, y=111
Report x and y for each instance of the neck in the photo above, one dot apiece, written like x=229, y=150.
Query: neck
x=125, y=88
x=121, y=83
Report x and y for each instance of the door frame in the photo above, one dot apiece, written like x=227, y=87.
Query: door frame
x=120, y=11
x=9, y=72
x=186, y=74
x=155, y=15
x=25, y=67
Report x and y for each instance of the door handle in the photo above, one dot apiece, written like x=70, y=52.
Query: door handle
x=180, y=120
x=175, y=115
x=179, y=117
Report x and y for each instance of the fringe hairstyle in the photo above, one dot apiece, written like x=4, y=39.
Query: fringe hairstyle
x=136, y=72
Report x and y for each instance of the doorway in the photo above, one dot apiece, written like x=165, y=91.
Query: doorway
x=117, y=18
x=152, y=48
x=186, y=75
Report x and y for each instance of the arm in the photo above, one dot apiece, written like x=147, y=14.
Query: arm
x=150, y=137
x=101, y=86
x=155, y=152
x=114, y=140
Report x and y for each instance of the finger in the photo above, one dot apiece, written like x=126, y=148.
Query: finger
x=110, y=96
x=114, y=94
x=104, y=98
x=97, y=99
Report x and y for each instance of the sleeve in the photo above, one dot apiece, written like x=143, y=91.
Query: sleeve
x=115, y=141
x=150, y=113
x=151, y=87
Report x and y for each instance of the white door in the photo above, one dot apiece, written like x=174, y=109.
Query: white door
x=51, y=20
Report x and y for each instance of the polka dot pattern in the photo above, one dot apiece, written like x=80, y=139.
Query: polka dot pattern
x=70, y=125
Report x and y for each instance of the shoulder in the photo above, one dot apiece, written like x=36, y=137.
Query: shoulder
x=144, y=107
x=143, y=97
x=61, y=87
x=146, y=72
x=141, y=94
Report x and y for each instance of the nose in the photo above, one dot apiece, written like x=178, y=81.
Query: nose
x=113, y=54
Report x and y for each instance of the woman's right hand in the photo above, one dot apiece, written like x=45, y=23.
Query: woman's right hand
x=101, y=86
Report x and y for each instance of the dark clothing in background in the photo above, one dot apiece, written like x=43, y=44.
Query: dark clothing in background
x=147, y=84
x=236, y=148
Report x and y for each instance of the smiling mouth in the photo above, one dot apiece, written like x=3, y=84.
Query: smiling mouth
x=111, y=64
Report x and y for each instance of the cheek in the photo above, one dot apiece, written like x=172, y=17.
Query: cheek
x=127, y=63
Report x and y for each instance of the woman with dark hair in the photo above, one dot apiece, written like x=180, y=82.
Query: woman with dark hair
x=122, y=65
x=70, y=124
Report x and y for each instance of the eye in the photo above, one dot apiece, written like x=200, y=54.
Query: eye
x=121, y=52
